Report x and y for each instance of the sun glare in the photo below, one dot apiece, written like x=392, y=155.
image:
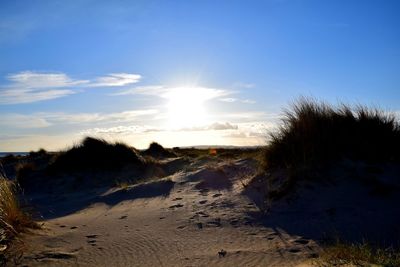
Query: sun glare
x=186, y=107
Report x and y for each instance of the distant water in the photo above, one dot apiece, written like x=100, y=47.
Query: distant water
x=3, y=154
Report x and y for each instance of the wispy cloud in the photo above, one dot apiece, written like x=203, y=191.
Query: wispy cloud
x=216, y=126
x=134, y=129
x=204, y=93
x=116, y=117
x=21, y=121
x=30, y=86
x=30, y=79
x=248, y=101
x=232, y=100
x=229, y=99
x=42, y=119
x=246, y=116
x=244, y=85
x=115, y=79
x=19, y=96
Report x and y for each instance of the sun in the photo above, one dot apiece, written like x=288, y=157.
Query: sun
x=186, y=107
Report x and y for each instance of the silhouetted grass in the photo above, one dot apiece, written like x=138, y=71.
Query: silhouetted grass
x=314, y=132
x=156, y=150
x=96, y=154
x=9, y=159
x=313, y=135
x=13, y=220
x=363, y=254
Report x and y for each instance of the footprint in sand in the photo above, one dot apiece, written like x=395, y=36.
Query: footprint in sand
x=313, y=255
x=177, y=198
x=272, y=236
x=176, y=206
x=302, y=241
x=63, y=226
x=217, y=195
x=234, y=223
x=294, y=250
x=181, y=227
x=123, y=217
x=54, y=255
x=248, y=222
x=92, y=236
x=214, y=223
x=202, y=214
x=73, y=227
x=204, y=191
x=202, y=201
x=92, y=240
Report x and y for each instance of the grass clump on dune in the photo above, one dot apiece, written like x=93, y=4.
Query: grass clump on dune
x=156, y=150
x=96, y=154
x=313, y=135
x=13, y=219
x=314, y=132
x=363, y=254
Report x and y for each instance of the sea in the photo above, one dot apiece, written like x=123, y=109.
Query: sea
x=3, y=154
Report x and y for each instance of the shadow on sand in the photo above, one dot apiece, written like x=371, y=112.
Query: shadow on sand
x=342, y=212
x=53, y=206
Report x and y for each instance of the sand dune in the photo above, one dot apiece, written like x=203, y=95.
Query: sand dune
x=182, y=220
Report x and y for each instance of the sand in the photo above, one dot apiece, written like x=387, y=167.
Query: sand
x=181, y=220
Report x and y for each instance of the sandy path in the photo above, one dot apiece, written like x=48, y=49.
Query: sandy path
x=188, y=226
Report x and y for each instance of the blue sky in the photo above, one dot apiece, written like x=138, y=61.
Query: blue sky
x=186, y=72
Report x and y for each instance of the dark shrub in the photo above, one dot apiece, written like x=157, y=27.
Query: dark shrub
x=24, y=172
x=40, y=153
x=96, y=154
x=314, y=132
x=156, y=150
x=9, y=159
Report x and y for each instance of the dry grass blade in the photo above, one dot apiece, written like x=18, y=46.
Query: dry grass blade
x=359, y=255
x=13, y=220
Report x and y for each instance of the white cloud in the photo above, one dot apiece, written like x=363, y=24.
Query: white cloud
x=248, y=101
x=205, y=93
x=244, y=85
x=216, y=126
x=36, y=80
x=133, y=129
x=222, y=126
x=232, y=100
x=229, y=99
x=244, y=116
x=142, y=90
x=19, y=96
x=22, y=121
x=115, y=79
x=124, y=116
x=43, y=119
x=30, y=86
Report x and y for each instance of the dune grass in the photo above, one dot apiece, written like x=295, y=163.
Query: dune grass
x=13, y=219
x=156, y=150
x=313, y=132
x=96, y=154
x=313, y=135
x=362, y=254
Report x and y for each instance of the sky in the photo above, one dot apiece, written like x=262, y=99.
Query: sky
x=186, y=73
